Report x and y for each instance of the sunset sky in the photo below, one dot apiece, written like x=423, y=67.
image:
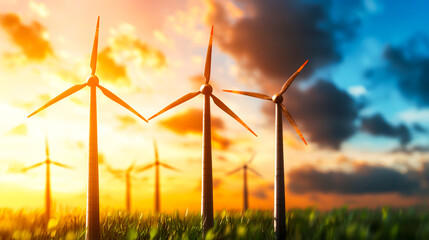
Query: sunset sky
x=362, y=101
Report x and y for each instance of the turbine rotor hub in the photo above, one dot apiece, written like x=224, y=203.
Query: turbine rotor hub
x=92, y=81
x=206, y=89
x=277, y=98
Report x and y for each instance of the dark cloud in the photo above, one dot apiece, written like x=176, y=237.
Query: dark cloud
x=409, y=65
x=109, y=70
x=419, y=128
x=275, y=36
x=262, y=191
x=324, y=113
x=29, y=38
x=376, y=125
x=364, y=179
x=190, y=121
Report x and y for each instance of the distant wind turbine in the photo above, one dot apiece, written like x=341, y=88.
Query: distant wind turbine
x=207, y=178
x=92, y=210
x=157, y=164
x=279, y=182
x=48, y=162
x=127, y=174
x=245, y=167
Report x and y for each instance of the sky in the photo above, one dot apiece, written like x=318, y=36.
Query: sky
x=360, y=102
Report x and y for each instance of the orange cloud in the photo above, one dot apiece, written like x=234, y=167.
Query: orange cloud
x=31, y=39
x=190, y=121
x=109, y=70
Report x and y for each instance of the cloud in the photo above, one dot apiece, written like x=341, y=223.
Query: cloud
x=31, y=39
x=419, y=128
x=409, y=65
x=364, y=179
x=39, y=8
x=376, y=125
x=126, y=121
x=190, y=121
x=324, y=113
x=109, y=70
x=262, y=191
x=275, y=37
x=20, y=130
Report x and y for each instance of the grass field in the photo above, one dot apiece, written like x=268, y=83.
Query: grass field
x=383, y=223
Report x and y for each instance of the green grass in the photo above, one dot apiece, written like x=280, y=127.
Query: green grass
x=383, y=223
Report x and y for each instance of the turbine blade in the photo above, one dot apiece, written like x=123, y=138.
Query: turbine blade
x=93, y=63
x=290, y=80
x=251, y=158
x=207, y=67
x=116, y=99
x=222, y=106
x=32, y=166
x=170, y=167
x=255, y=172
x=177, y=102
x=46, y=147
x=233, y=171
x=65, y=94
x=144, y=168
x=251, y=94
x=61, y=165
x=292, y=122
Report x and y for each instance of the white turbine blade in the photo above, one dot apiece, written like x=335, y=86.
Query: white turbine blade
x=116, y=99
x=65, y=94
x=177, y=102
x=144, y=168
x=94, y=54
x=131, y=167
x=33, y=166
x=61, y=165
x=290, y=80
x=292, y=122
x=233, y=171
x=255, y=172
x=207, y=67
x=170, y=167
x=251, y=94
x=222, y=106
x=155, y=149
x=115, y=172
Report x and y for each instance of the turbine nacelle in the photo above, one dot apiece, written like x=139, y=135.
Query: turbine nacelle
x=93, y=81
x=277, y=98
x=206, y=89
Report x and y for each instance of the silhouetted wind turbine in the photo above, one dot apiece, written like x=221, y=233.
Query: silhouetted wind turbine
x=245, y=167
x=279, y=182
x=48, y=162
x=92, y=210
x=157, y=164
x=120, y=174
x=207, y=179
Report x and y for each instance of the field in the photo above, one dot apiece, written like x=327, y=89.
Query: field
x=382, y=223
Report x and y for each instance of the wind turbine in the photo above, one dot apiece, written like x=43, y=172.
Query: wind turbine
x=279, y=182
x=157, y=164
x=92, y=210
x=245, y=167
x=48, y=162
x=207, y=178
x=119, y=173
